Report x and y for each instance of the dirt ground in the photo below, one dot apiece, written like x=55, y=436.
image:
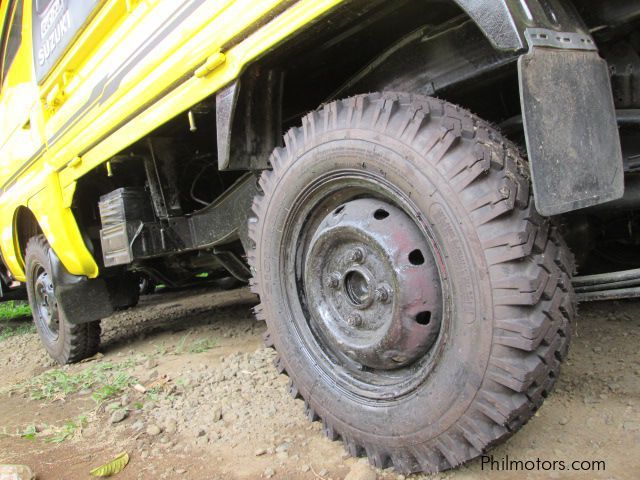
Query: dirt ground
x=215, y=407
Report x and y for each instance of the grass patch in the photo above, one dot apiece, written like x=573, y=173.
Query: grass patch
x=160, y=350
x=106, y=380
x=201, y=345
x=113, y=387
x=68, y=430
x=51, y=433
x=180, y=346
x=197, y=346
x=8, y=332
x=29, y=432
x=13, y=309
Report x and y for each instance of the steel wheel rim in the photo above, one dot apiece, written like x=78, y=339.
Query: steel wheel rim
x=328, y=194
x=46, y=306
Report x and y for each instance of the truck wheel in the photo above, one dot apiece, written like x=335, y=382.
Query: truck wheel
x=419, y=304
x=146, y=285
x=65, y=342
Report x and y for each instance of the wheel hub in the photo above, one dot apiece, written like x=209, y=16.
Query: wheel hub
x=46, y=302
x=372, y=285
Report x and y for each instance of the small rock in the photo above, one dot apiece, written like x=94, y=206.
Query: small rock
x=563, y=421
x=361, y=471
x=269, y=472
x=230, y=417
x=153, y=374
x=597, y=349
x=171, y=426
x=181, y=471
x=150, y=363
x=19, y=472
x=124, y=400
x=153, y=430
x=305, y=468
x=259, y=452
x=119, y=415
x=324, y=472
x=283, y=447
x=216, y=415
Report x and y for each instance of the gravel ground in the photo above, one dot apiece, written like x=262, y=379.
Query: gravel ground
x=214, y=407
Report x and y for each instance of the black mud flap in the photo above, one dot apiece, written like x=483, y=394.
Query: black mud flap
x=82, y=299
x=571, y=131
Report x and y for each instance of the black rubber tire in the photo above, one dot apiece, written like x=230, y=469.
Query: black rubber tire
x=512, y=301
x=73, y=342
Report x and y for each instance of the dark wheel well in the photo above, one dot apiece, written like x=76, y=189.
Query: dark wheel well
x=26, y=226
x=431, y=47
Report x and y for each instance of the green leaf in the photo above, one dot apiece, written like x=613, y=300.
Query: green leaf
x=114, y=467
x=30, y=432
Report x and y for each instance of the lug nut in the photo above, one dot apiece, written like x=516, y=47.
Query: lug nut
x=332, y=281
x=356, y=255
x=383, y=294
x=354, y=320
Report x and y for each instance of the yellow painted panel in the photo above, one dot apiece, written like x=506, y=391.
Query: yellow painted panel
x=59, y=226
x=118, y=68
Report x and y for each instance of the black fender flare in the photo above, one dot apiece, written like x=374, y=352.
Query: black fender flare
x=504, y=22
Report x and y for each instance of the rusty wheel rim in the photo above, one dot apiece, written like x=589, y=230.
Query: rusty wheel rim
x=46, y=306
x=368, y=298
x=372, y=285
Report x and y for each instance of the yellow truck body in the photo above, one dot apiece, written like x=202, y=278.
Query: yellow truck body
x=132, y=66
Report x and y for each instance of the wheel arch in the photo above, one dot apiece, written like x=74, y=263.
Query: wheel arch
x=283, y=85
x=370, y=46
x=26, y=225
x=23, y=226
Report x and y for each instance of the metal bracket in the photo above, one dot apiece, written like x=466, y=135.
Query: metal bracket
x=543, y=37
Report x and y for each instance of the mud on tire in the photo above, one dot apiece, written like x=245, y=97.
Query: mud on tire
x=504, y=272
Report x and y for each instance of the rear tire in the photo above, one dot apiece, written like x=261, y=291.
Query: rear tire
x=500, y=299
x=64, y=341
